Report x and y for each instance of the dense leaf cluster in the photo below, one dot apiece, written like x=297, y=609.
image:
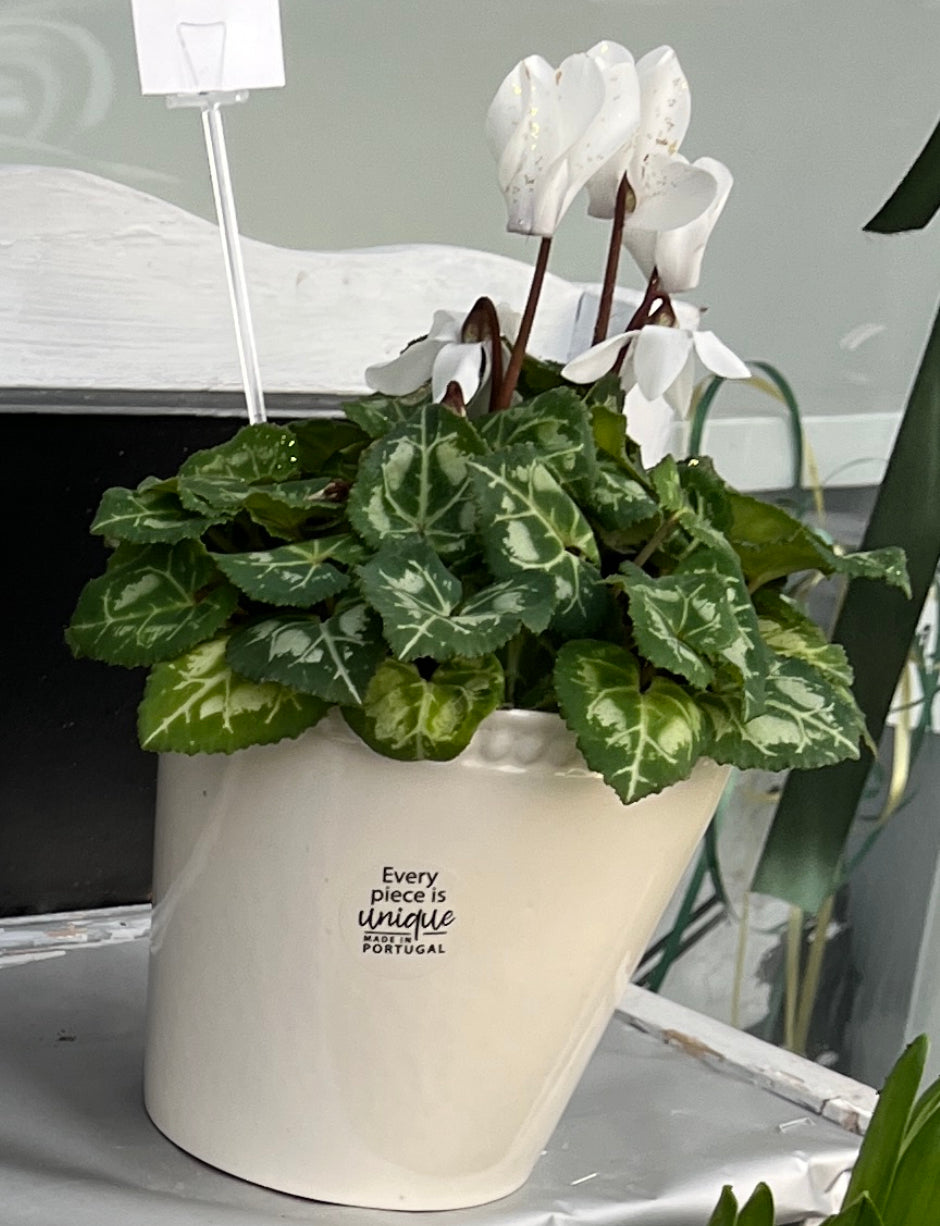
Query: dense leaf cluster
x=419, y=570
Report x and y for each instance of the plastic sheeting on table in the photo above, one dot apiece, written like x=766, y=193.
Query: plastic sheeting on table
x=650, y=1136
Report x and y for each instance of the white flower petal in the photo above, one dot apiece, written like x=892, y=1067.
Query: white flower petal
x=679, y=252
x=406, y=372
x=659, y=355
x=679, y=394
x=461, y=364
x=665, y=103
x=671, y=194
x=594, y=363
x=649, y=423
x=446, y=326
x=719, y=359
x=610, y=138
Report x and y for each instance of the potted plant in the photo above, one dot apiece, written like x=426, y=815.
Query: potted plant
x=446, y=691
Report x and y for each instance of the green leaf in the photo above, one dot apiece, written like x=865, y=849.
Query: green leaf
x=772, y=544
x=617, y=499
x=529, y=523
x=639, y=740
x=725, y=1212
x=680, y=620
x=557, y=426
x=861, y=1212
x=875, y=1167
x=759, y=1209
x=147, y=515
x=802, y=856
x=378, y=414
x=916, y=199
x=924, y=1109
x=220, y=478
x=298, y=575
x=807, y=721
x=417, y=597
x=196, y=704
x=408, y=717
x=153, y=602
x=284, y=506
x=789, y=632
x=607, y=394
x=334, y=658
x=915, y=1191
x=538, y=376
x=328, y=446
x=415, y=482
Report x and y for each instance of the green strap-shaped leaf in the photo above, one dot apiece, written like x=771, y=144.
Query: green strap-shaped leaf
x=379, y=414
x=807, y=721
x=417, y=597
x=681, y=620
x=725, y=1212
x=196, y=704
x=153, y=602
x=861, y=1212
x=618, y=500
x=877, y=1160
x=298, y=575
x=916, y=199
x=639, y=740
x=415, y=482
x=528, y=522
x=333, y=659
x=220, y=478
x=759, y=1209
x=915, y=1190
x=149, y=514
x=557, y=426
x=407, y=717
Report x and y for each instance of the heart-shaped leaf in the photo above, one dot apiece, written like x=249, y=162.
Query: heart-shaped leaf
x=196, y=704
x=618, y=500
x=409, y=717
x=152, y=602
x=557, y=424
x=149, y=514
x=418, y=599
x=640, y=740
x=220, y=478
x=333, y=659
x=379, y=414
x=298, y=574
x=414, y=482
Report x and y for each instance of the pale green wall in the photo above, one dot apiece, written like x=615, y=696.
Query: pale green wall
x=818, y=106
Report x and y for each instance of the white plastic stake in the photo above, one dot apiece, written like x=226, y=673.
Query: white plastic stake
x=207, y=53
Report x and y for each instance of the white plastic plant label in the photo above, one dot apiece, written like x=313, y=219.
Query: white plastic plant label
x=203, y=46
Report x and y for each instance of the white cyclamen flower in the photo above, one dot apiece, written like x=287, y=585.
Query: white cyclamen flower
x=658, y=376
x=551, y=129
x=441, y=357
x=673, y=206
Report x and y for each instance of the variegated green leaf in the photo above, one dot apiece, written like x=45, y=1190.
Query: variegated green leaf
x=418, y=599
x=667, y=480
x=409, y=717
x=747, y=653
x=196, y=704
x=528, y=522
x=787, y=630
x=680, y=621
x=414, y=482
x=298, y=575
x=283, y=507
x=557, y=425
x=329, y=446
x=618, y=500
x=640, y=740
x=807, y=721
x=333, y=658
x=772, y=544
x=378, y=414
x=149, y=514
x=220, y=478
x=153, y=602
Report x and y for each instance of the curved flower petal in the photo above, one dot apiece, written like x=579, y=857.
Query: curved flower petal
x=649, y=423
x=679, y=251
x=679, y=394
x=406, y=372
x=719, y=359
x=659, y=355
x=621, y=113
x=665, y=103
x=671, y=194
x=463, y=364
x=594, y=363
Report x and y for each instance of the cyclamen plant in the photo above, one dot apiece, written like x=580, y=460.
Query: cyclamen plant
x=469, y=538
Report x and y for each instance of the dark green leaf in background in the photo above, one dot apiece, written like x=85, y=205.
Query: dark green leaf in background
x=917, y=197
x=220, y=478
x=298, y=575
x=149, y=514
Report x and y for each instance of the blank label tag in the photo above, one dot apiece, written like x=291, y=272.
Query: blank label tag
x=200, y=46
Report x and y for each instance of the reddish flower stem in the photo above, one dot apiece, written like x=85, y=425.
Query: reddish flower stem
x=613, y=263
x=503, y=399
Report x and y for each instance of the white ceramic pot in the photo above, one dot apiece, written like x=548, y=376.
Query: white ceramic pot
x=378, y=983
